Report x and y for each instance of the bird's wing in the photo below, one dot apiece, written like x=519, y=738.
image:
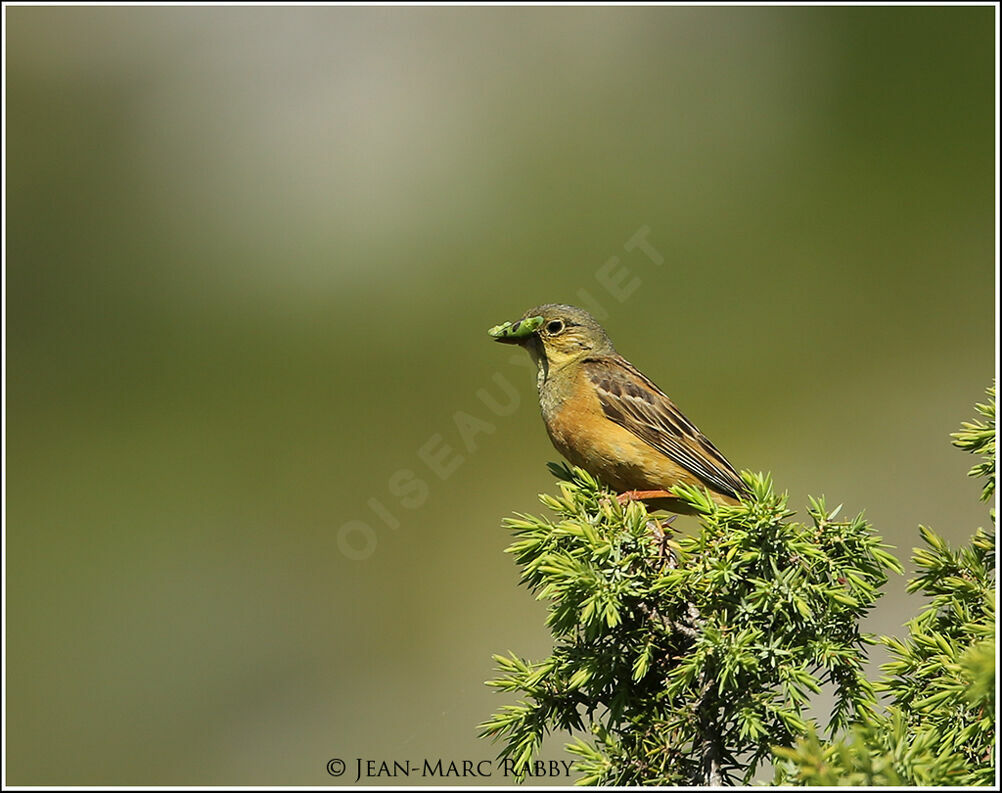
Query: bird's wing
x=631, y=400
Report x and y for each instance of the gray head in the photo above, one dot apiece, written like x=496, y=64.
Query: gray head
x=556, y=334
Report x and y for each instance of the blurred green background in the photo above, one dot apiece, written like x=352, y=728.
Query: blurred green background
x=251, y=258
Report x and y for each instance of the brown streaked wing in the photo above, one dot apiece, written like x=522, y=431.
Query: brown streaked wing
x=631, y=400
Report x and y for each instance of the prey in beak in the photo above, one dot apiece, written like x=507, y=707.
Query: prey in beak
x=518, y=332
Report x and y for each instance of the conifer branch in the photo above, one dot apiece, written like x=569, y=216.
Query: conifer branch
x=692, y=658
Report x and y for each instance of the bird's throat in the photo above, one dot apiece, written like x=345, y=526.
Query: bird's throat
x=538, y=355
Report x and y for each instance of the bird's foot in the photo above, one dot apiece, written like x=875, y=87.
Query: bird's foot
x=642, y=495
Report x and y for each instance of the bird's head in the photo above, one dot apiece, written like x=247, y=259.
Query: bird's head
x=555, y=335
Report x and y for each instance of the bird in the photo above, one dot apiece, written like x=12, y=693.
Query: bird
x=605, y=416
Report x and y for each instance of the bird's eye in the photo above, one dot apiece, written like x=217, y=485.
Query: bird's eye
x=554, y=327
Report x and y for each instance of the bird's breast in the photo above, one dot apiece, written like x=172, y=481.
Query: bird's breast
x=581, y=432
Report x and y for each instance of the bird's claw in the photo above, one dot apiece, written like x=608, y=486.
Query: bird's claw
x=642, y=495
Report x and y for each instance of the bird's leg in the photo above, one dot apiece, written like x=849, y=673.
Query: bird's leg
x=643, y=495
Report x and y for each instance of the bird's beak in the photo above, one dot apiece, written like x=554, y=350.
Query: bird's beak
x=516, y=333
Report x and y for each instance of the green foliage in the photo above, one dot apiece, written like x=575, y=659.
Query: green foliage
x=939, y=728
x=687, y=657
x=978, y=437
x=692, y=659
